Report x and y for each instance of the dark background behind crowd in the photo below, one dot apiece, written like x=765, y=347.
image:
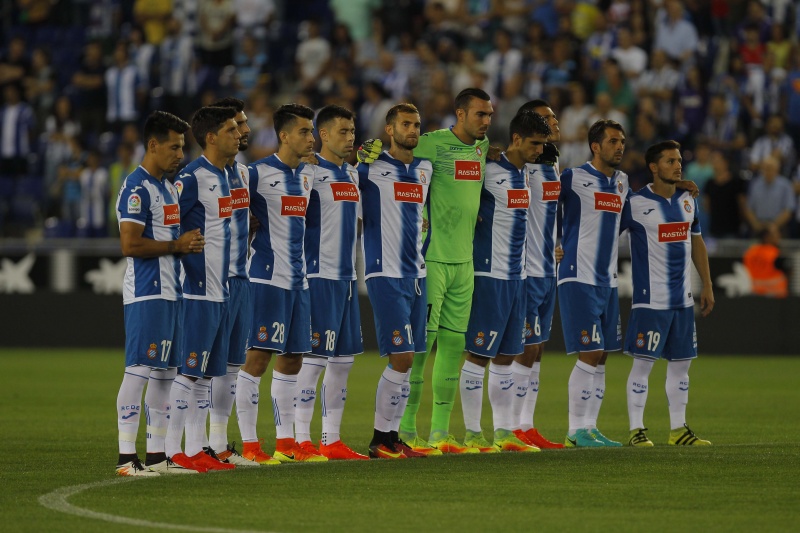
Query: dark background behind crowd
x=77, y=79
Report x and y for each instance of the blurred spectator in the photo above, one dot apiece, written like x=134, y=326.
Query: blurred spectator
x=774, y=143
x=131, y=135
x=760, y=259
x=421, y=82
x=659, y=81
x=14, y=65
x=604, y=108
x=94, y=197
x=465, y=72
x=17, y=124
x=513, y=14
x=701, y=171
x=105, y=19
x=675, y=35
x=217, y=19
x=631, y=58
x=143, y=56
x=792, y=96
x=178, y=71
x=263, y=139
x=251, y=68
x=186, y=12
x=575, y=115
x=503, y=63
x=690, y=111
x=721, y=129
x=756, y=17
x=576, y=151
x=597, y=47
x=779, y=47
x=562, y=66
x=770, y=199
x=394, y=82
x=60, y=127
x=117, y=172
x=152, y=15
x=40, y=85
x=90, y=90
x=356, y=15
x=613, y=82
x=644, y=135
x=372, y=113
x=536, y=70
x=724, y=199
x=68, y=187
x=313, y=54
x=253, y=17
x=126, y=90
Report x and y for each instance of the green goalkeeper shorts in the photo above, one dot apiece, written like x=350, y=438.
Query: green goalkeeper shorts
x=449, y=295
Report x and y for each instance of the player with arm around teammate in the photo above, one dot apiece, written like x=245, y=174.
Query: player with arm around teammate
x=205, y=200
x=394, y=189
x=497, y=318
x=330, y=249
x=665, y=239
x=149, y=223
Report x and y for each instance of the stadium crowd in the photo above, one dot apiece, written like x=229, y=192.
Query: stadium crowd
x=77, y=80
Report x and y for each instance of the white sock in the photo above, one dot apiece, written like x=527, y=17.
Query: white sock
x=129, y=406
x=307, y=381
x=180, y=395
x=334, y=394
x=677, y=392
x=387, y=398
x=156, y=405
x=247, y=405
x=521, y=375
x=596, y=401
x=284, y=390
x=223, y=393
x=526, y=421
x=637, y=391
x=501, y=394
x=196, y=417
x=405, y=392
x=471, y=386
x=580, y=388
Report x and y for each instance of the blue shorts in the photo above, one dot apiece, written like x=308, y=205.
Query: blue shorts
x=590, y=317
x=669, y=334
x=281, y=319
x=240, y=317
x=540, y=305
x=151, y=333
x=399, y=306
x=335, y=318
x=497, y=319
x=203, y=339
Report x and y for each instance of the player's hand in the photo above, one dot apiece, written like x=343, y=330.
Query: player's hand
x=369, y=151
x=493, y=153
x=706, y=301
x=688, y=185
x=559, y=254
x=191, y=242
x=310, y=160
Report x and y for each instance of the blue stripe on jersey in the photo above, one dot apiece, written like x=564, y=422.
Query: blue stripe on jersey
x=608, y=234
x=676, y=253
x=262, y=257
x=572, y=216
x=240, y=224
x=297, y=227
x=482, y=251
x=411, y=224
x=313, y=233
x=551, y=210
x=371, y=220
x=640, y=255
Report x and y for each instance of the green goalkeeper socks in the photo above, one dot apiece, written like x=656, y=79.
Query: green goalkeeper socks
x=408, y=424
x=446, y=371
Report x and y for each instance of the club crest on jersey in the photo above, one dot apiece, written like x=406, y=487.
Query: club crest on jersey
x=585, y=340
x=480, y=339
x=191, y=361
x=315, y=340
x=528, y=332
x=640, y=340
x=687, y=206
x=422, y=177
x=152, y=351
x=179, y=186
x=397, y=339
x=619, y=187
x=478, y=150
x=262, y=334
x=305, y=182
x=134, y=203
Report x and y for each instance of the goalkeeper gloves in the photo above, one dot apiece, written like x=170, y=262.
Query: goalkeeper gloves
x=369, y=151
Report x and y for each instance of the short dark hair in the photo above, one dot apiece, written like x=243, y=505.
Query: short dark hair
x=332, y=112
x=160, y=123
x=598, y=130
x=464, y=98
x=395, y=110
x=230, y=101
x=288, y=113
x=653, y=153
x=209, y=120
x=527, y=124
x=533, y=105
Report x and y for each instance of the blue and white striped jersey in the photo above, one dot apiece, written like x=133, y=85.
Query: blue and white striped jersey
x=590, y=230
x=499, y=244
x=661, y=247
x=205, y=200
x=239, y=182
x=153, y=203
x=332, y=222
x=393, y=197
x=279, y=200
x=540, y=247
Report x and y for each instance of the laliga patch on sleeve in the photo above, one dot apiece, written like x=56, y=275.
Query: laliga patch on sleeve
x=134, y=204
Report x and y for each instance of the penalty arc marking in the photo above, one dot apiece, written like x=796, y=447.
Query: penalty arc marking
x=57, y=501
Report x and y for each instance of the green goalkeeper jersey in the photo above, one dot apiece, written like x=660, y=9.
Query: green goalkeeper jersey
x=454, y=194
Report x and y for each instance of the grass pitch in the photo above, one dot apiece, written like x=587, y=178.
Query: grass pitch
x=57, y=421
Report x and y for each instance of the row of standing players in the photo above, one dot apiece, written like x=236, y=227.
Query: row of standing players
x=203, y=335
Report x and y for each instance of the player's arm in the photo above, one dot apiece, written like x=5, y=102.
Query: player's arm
x=700, y=260
x=134, y=244
x=689, y=185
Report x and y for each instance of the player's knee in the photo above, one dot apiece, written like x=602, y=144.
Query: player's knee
x=503, y=360
x=256, y=362
x=477, y=359
x=401, y=362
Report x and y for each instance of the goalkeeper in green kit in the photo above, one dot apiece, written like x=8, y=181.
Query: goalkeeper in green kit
x=458, y=155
